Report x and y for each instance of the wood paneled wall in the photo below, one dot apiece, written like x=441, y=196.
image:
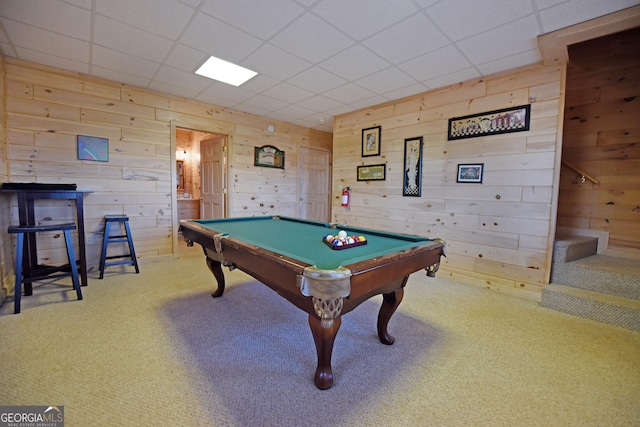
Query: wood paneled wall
x=602, y=138
x=6, y=249
x=498, y=233
x=47, y=108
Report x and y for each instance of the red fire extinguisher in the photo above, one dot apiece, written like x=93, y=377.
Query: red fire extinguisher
x=345, y=197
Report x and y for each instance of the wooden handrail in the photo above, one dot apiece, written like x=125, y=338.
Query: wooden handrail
x=584, y=175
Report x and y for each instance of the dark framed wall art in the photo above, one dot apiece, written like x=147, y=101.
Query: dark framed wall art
x=412, y=182
x=515, y=119
x=371, y=141
x=470, y=173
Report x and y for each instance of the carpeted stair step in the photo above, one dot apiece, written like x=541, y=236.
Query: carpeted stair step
x=571, y=248
x=600, y=273
x=609, y=309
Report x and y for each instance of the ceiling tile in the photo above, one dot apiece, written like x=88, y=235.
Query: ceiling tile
x=52, y=60
x=118, y=76
x=262, y=19
x=131, y=40
x=311, y=39
x=452, y=78
x=122, y=62
x=514, y=61
x=166, y=18
x=435, y=64
x=490, y=45
x=274, y=62
x=460, y=19
x=386, y=80
x=288, y=93
x=53, y=15
x=410, y=38
x=183, y=79
x=219, y=39
x=349, y=93
x=186, y=58
x=317, y=80
x=354, y=63
x=319, y=103
x=406, y=91
x=53, y=44
x=363, y=18
x=228, y=92
x=575, y=11
x=265, y=103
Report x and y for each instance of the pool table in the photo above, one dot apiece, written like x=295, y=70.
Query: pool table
x=289, y=256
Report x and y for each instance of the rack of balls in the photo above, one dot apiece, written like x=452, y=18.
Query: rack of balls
x=343, y=241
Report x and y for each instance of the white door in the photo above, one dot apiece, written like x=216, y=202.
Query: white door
x=212, y=162
x=313, y=184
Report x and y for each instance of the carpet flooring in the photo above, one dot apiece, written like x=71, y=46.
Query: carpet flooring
x=155, y=349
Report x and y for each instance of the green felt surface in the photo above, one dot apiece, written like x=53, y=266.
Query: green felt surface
x=302, y=240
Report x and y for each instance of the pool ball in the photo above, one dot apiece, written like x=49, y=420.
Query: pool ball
x=342, y=234
x=362, y=238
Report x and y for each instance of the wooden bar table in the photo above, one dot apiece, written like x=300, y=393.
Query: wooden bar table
x=27, y=194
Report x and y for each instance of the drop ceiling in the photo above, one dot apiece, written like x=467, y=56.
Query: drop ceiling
x=315, y=58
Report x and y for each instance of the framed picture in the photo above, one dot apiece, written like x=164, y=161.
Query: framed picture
x=371, y=141
x=412, y=183
x=268, y=156
x=372, y=173
x=93, y=148
x=514, y=119
x=470, y=173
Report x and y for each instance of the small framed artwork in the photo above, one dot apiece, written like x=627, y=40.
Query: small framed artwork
x=470, y=173
x=93, y=148
x=412, y=185
x=371, y=141
x=268, y=156
x=372, y=173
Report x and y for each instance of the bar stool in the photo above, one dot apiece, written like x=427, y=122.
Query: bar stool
x=120, y=238
x=27, y=275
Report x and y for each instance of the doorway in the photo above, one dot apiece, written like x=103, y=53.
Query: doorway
x=200, y=176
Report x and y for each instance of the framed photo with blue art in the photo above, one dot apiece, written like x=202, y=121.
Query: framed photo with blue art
x=93, y=148
x=470, y=173
x=412, y=183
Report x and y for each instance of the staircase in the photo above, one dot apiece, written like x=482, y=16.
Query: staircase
x=597, y=287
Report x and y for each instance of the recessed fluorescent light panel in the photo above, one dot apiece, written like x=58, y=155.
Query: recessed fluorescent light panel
x=225, y=72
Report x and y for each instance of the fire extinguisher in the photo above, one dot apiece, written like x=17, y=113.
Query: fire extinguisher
x=345, y=197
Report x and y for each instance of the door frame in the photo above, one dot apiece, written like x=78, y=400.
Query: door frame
x=175, y=225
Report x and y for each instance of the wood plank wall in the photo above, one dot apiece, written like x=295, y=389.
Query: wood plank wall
x=47, y=108
x=602, y=138
x=6, y=246
x=498, y=233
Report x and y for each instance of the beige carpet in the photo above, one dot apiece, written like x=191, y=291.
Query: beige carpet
x=155, y=349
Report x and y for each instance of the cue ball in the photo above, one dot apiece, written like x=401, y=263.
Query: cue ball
x=342, y=234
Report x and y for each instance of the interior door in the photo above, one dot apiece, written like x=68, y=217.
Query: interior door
x=313, y=184
x=212, y=164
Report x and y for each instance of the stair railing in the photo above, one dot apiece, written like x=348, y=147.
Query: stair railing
x=583, y=175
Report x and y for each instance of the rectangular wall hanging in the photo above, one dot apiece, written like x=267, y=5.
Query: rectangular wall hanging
x=93, y=148
x=470, y=173
x=514, y=119
x=371, y=141
x=269, y=156
x=412, y=167
x=372, y=173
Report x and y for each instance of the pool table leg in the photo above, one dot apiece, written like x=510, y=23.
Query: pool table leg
x=216, y=268
x=390, y=303
x=324, y=339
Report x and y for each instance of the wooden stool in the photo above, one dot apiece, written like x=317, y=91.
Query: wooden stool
x=28, y=276
x=120, y=238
